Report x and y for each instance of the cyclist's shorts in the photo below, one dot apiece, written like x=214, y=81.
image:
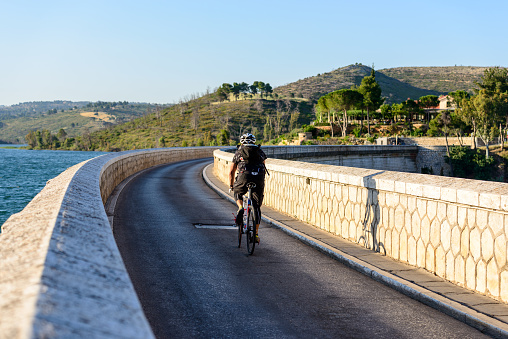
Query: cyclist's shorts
x=240, y=187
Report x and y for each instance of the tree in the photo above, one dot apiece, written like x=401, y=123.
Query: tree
x=371, y=92
x=410, y=107
x=444, y=119
x=494, y=79
x=162, y=142
x=458, y=97
x=61, y=135
x=261, y=87
x=386, y=111
x=195, y=119
x=327, y=105
x=267, y=130
x=47, y=138
x=323, y=106
x=494, y=83
x=223, y=91
x=428, y=101
x=293, y=120
x=268, y=89
x=398, y=110
x=223, y=138
x=344, y=100
x=31, y=139
x=236, y=90
x=484, y=111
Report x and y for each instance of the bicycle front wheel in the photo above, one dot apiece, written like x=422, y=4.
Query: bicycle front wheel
x=240, y=231
x=251, y=233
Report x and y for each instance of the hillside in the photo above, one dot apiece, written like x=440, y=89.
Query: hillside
x=202, y=121
x=397, y=84
x=23, y=118
x=314, y=87
x=35, y=108
x=439, y=79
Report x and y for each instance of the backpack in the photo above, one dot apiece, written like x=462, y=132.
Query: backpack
x=250, y=156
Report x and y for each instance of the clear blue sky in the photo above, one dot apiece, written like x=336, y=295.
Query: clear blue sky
x=161, y=51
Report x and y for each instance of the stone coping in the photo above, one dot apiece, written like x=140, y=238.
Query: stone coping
x=477, y=193
x=292, y=152
x=61, y=272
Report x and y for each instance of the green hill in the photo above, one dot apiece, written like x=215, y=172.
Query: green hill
x=203, y=121
x=16, y=122
x=439, y=79
x=397, y=84
x=35, y=108
x=314, y=87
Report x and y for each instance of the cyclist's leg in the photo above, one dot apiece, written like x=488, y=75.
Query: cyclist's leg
x=239, y=189
x=257, y=201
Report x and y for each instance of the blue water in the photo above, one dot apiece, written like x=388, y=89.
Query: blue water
x=24, y=173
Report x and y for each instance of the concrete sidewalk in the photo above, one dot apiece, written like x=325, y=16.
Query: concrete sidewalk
x=478, y=311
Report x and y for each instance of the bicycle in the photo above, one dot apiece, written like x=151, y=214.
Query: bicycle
x=247, y=227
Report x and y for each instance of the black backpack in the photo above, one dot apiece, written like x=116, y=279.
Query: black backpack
x=250, y=156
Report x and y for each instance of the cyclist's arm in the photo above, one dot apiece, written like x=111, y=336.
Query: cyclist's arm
x=232, y=172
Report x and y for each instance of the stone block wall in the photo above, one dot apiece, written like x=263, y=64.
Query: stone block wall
x=432, y=159
x=455, y=228
x=61, y=272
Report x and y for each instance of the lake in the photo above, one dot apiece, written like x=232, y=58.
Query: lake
x=24, y=173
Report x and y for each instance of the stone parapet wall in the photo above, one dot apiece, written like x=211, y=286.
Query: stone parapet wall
x=395, y=158
x=455, y=228
x=436, y=141
x=441, y=141
x=61, y=272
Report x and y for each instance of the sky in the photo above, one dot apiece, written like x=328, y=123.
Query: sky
x=164, y=51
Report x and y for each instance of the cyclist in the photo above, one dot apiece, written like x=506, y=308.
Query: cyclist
x=249, y=160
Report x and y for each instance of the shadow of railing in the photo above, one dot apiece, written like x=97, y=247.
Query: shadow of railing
x=371, y=217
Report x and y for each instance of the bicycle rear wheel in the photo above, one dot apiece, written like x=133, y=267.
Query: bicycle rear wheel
x=250, y=233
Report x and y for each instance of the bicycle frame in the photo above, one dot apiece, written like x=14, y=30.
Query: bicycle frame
x=248, y=227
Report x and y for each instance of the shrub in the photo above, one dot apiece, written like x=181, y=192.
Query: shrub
x=308, y=128
x=469, y=163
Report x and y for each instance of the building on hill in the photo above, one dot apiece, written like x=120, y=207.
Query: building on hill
x=446, y=102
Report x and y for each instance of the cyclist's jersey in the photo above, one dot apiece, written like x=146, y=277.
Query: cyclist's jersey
x=250, y=171
x=254, y=165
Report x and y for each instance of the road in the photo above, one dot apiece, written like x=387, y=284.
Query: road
x=196, y=283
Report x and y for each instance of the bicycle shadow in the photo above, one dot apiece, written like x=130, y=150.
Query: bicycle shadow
x=372, y=217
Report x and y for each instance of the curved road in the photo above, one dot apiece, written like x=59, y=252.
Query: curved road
x=195, y=282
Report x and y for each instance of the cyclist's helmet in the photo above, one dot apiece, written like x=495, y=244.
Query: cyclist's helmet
x=247, y=139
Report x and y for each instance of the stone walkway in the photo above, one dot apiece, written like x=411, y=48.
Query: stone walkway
x=478, y=311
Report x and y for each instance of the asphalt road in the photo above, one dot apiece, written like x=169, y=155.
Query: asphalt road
x=196, y=283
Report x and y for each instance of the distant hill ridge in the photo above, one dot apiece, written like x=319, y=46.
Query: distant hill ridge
x=397, y=84
x=34, y=108
x=74, y=117
x=440, y=79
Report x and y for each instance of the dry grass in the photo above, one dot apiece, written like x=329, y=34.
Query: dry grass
x=99, y=115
